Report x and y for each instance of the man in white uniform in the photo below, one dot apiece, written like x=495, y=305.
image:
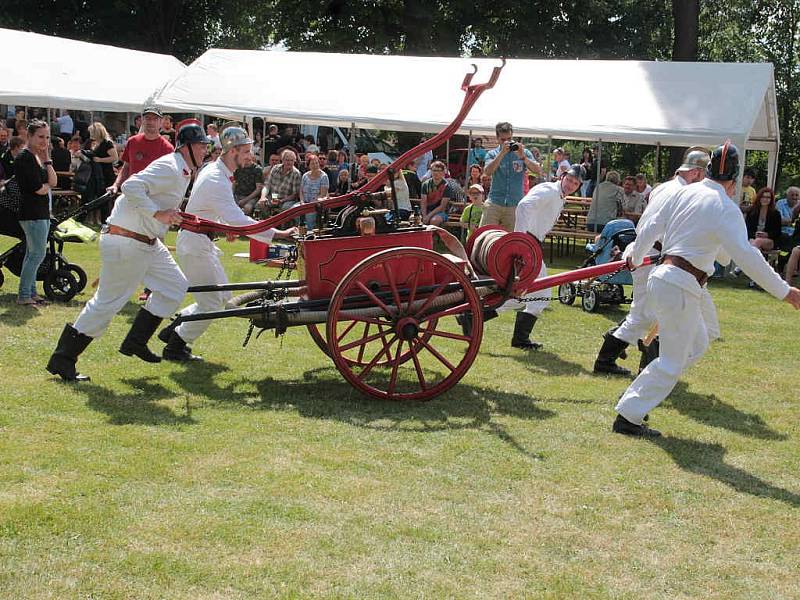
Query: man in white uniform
x=536, y=214
x=211, y=198
x=640, y=318
x=698, y=225
x=132, y=252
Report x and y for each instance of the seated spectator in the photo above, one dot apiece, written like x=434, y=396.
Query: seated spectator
x=436, y=193
x=370, y=174
x=475, y=173
x=314, y=186
x=136, y=127
x=748, y=191
x=60, y=155
x=763, y=221
x=560, y=163
x=633, y=203
x=310, y=145
x=283, y=182
x=332, y=170
x=789, y=207
x=376, y=162
x=15, y=145
x=74, y=147
x=606, y=203
x=341, y=160
x=343, y=182
x=473, y=211
x=358, y=172
x=587, y=162
x=247, y=183
x=643, y=187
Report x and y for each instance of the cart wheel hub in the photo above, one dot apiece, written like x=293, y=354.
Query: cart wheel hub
x=408, y=329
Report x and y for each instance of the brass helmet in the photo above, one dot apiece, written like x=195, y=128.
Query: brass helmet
x=232, y=137
x=696, y=157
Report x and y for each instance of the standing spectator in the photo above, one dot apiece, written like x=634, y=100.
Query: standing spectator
x=424, y=161
x=332, y=171
x=271, y=141
x=258, y=147
x=310, y=145
x=587, y=162
x=314, y=186
x=763, y=221
x=5, y=135
x=104, y=155
x=66, y=126
x=61, y=161
x=22, y=129
x=436, y=193
x=486, y=184
x=143, y=148
x=633, y=202
x=606, y=203
x=471, y=216
x=507, y=167
x=167, y=130
x=789, y=208
x=748, y=191
x=341, y=160
x=136, y=128
x=248, y=180
x=283, y=182
x=8, y=151
x=476, y=154
x=359, y=174
x=212, y=131
x=18, y=116
x=35, y=176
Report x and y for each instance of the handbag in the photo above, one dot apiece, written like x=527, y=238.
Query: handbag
x=11, y=196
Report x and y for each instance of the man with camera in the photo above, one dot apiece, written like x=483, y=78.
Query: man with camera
x=507, y=165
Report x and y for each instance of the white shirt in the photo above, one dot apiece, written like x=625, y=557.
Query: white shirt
x=539, y=210
x=160, y=186
x=700, y=224
x=212, y=199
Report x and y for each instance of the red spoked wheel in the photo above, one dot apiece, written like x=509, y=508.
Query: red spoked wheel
x=423, y=352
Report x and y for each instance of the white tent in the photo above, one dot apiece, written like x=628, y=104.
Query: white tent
x=671, y=103
x=51, y=72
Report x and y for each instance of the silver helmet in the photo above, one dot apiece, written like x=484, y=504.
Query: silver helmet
x=232, y=137
x=695, y=158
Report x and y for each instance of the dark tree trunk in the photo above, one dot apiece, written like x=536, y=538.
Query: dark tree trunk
x=686, y=15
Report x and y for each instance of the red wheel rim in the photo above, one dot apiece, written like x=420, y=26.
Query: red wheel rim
x=425, y=352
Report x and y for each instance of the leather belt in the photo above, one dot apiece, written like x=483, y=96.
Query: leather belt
x=121, y=231
x=685, y=265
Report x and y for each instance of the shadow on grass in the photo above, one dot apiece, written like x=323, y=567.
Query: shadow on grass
x=708, y=460
x=323, y=394
x=14, y=314
x=710, y=410
x=137, y=407
x=542, y=360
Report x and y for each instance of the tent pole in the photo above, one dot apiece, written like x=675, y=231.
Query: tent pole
x=447, y=152
x=657, y=170
x=738, y=195
x=599, y=159
x=353, y=144
x=264, y=159
x=549, y=162
x=772, y=164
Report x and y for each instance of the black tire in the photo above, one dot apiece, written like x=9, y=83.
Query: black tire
x=2, y=278
x=60, y=285
x=590, y=301
x=567, y=293
x=80, y=275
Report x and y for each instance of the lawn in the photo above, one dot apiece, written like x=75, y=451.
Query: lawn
x=261, y=474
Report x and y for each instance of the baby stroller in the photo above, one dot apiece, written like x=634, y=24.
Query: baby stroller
x=62, y=280
x=607, y=289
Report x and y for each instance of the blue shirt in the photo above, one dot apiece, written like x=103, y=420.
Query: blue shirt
x=507, y=179
x=786, y=214
x=476, y=156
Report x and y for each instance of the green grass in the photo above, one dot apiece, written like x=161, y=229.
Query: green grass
x=261, y=473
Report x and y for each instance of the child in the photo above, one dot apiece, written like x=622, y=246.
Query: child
x=474, y=210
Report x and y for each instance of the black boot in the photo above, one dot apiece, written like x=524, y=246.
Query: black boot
x=177, y=350
x=465, y=320
x=65, y=356
x=649, y=353
x=166, y=332
x=610, y=351
x=625, y=427
x=143, y=328
x=522, y=331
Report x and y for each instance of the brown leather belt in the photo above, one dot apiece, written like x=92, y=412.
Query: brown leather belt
x=121, y=231
x=685, y=265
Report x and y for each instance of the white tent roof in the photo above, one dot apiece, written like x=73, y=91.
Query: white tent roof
x=674, y=103
x=52, y=72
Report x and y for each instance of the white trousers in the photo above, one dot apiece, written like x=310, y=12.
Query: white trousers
x=641, y=316
x=683, y=340
x=536, y=307
x=127, y=263
x=202, y=269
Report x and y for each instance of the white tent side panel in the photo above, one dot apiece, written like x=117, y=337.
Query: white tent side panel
x=627, y=101
x=52, y=72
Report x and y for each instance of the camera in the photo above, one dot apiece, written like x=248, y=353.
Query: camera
x=513, y=146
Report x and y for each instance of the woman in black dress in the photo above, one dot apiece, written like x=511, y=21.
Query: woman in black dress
x=104, y=155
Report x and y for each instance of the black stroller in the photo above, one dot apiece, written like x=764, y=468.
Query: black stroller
x=62, y=279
